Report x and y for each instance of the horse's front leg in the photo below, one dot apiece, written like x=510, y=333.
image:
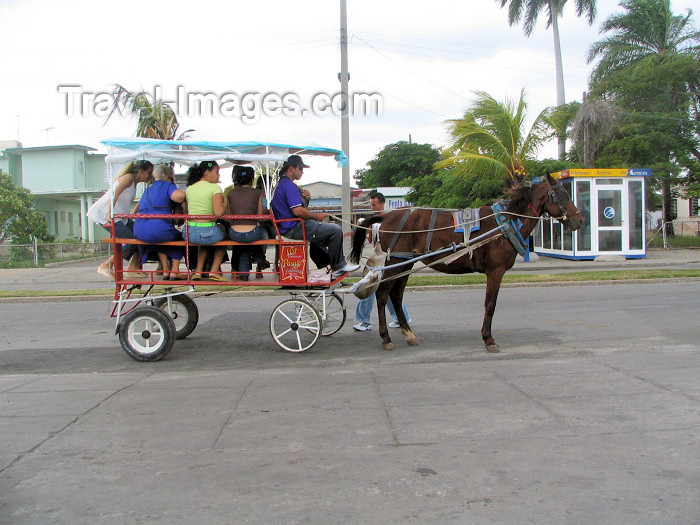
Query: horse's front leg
x=493, y=284
x=382, y=296
x=396, y=296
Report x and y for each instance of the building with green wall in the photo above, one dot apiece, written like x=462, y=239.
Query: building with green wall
x=65, y=181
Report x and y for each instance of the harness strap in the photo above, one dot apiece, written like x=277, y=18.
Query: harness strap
x=509, y=228
x=429, y=238
x=400, y=226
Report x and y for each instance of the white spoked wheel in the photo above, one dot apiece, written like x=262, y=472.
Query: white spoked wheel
x=147, y=333
x=335, y=313
x=295, y=325
x=184, y=312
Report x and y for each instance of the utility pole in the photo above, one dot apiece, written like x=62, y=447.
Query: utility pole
x=346, y=199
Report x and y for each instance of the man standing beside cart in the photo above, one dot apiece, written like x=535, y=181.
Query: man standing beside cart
x=288, y=203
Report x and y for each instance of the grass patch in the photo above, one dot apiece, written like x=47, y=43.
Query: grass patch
x=415, y=280
x=674, y=242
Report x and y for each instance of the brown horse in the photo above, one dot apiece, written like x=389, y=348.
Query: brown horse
x=407, y=233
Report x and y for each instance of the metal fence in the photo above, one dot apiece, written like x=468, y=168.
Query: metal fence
x=39, y=254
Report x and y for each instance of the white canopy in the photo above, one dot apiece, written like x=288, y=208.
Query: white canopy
x=186, y=152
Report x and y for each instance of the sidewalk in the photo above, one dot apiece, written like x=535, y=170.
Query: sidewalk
x=83, y=276
x=599, y=439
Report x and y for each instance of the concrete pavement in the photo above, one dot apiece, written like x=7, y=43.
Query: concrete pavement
x=590, y=440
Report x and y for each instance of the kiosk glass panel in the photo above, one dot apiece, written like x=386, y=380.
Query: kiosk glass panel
x=609, y=208
x=556, y=241
x=636, y=215
x=547, y=233
x=583, y=203
x=610, y=240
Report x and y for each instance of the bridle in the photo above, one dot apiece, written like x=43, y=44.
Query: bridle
x=557, y=194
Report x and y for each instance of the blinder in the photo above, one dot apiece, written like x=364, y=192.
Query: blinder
x=557, y=194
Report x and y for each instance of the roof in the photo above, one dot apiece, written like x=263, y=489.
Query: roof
x=22, y=149
x=189, y=152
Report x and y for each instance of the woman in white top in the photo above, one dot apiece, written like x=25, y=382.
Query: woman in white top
x=122, y=192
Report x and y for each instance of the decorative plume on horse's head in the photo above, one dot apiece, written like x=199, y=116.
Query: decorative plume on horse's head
x=516, y=175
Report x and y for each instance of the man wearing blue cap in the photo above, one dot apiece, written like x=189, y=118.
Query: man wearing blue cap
x=289, y=203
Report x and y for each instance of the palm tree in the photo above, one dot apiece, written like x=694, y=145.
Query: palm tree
x=649, y=46
x=643, y=37
x=491, y=142
x=528, y=11
x=155, y=118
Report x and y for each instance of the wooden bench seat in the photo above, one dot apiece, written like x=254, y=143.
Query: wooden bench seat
x=229, y=242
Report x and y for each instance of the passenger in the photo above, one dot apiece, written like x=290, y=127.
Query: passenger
x=269, y=232
x=123, y=192
x=287, y=203
x=159, y=198
x=204, y=197
x=243, y=199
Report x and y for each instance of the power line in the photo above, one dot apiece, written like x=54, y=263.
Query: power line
x=411, y=71
x=456, y=51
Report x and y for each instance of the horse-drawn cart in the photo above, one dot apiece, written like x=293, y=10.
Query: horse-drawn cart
x=151, y=313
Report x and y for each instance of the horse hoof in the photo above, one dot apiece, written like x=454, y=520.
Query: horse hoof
x=411, y=338
x=388, y=346
x=492, y=348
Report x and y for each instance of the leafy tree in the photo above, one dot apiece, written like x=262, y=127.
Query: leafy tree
x=397, y=162
x=538, y=168
x=560, y=119
x=155, y=118
x=491, y=141
x=488, y=152
x=19, y=221
x=529, y=11
x=648, y=65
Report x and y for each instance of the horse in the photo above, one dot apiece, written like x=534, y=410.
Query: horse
x=411, y=232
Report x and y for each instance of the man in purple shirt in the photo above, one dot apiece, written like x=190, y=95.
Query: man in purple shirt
x=288, y=203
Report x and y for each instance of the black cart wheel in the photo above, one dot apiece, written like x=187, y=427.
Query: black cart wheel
x=184, y=312
x=147, y=333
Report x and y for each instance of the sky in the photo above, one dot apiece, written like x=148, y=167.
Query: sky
x=261, y=63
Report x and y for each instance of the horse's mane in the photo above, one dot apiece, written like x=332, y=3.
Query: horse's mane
x=520, y=198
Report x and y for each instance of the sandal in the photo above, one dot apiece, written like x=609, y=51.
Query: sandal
x=218, y=278
x=196, y=277
x=178, y=277
x=107, y=272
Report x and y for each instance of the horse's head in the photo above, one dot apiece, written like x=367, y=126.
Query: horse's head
x=559, y=204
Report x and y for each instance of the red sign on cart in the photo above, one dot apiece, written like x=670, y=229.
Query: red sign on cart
x=293, y=263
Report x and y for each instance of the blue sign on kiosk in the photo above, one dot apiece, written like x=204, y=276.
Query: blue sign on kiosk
x=612, y=202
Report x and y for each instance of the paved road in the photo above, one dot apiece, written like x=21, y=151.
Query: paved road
x=589, y=415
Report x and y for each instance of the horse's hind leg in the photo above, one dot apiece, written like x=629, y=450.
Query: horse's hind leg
x=396, y=296
x=382, y=295
x=493, y=284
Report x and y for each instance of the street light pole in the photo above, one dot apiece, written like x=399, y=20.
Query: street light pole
x=346, y=201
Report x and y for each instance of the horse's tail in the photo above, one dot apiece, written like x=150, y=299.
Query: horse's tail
x=359, y=236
